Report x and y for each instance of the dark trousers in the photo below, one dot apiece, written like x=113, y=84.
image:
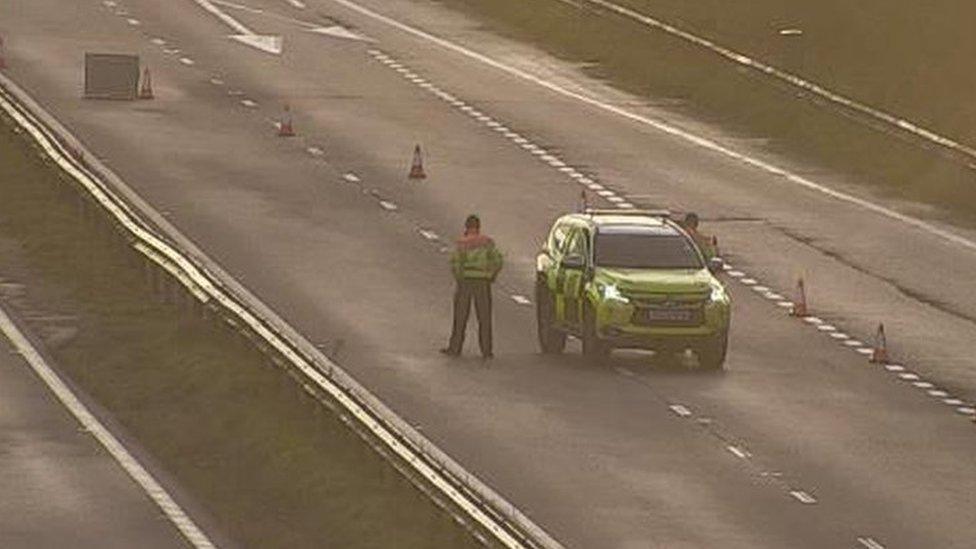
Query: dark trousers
x=479, y=291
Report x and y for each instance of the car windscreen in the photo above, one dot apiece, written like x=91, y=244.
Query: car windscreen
x=645, y=250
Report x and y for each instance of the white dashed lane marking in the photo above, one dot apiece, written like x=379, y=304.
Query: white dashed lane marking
x=680, y=410
x=351, y=177
x=249, y=103
x=521, y=299
x=737, y=452
x=894, y=367
x=429, y=235
x=388, y=206
x=315, y=151
x=133, y=22
x=803, y=497
x=870, y=543
x=187, y=61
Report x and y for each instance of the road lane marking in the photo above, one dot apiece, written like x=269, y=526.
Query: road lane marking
x=937, y=393
x=966, y=410
x=297, y=4
x=315, y=151
x=738, y=452
x=870, y=543
x=680, y=410
x=923, y=385
x=909, y=376
x=865, y=350
x=952, y=401
x=894, y=367
x=737, y=274
x=803, y=497
x=699, y=141
x=760, y=289
x=839, y=335
x=748, y=281
x=854, y=343
x=826, y=328
x=812, y=320
x=429, y=235
x=187, y=61
x=272, y=44
x=91, y=425
x=388, y=205
x=134, y=22
x=351, y=177
x=521, y=299
x=785, y=304
x=249, y=103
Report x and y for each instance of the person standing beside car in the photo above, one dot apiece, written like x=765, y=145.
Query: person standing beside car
x=475, y=264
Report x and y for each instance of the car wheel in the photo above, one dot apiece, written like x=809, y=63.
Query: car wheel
x=552, y=341
x=711, y=354
x=592, y=346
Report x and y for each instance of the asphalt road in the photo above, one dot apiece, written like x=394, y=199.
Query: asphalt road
x=801, y=443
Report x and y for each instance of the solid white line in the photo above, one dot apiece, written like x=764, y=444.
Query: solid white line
x=699, y=141
x=143, y=478
x=803, y=497
x=788, y=77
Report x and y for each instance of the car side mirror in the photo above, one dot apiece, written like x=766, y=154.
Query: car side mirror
x=575, y=262
x=715, y=264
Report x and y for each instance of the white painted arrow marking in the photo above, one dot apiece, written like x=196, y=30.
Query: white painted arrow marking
x=264, y=42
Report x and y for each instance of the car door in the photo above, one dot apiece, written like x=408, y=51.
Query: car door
x=570, y=280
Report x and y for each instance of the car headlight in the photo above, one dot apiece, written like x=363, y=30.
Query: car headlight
x=611, y=292
x=718, y=294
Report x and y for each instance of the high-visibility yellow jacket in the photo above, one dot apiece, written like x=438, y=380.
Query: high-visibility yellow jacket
x=476, y=257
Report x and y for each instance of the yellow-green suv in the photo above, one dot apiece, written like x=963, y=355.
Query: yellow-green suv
x=630, y=279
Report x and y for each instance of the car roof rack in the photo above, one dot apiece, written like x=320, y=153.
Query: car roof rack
x=630, y=211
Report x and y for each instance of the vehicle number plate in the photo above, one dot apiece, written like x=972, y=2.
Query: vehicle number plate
x=668, y=315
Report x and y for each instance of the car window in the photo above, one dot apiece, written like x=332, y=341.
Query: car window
x=557, y=238
x=646, y=250
x=577, y=243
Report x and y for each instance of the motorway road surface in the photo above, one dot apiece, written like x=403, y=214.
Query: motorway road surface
x=60, y=487
x=801, y=443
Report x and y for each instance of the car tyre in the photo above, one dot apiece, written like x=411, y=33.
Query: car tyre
x=552, y=340
x=711, y=354
x=592, y=345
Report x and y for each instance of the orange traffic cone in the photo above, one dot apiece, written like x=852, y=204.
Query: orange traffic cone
x=285, y=128
x=800, y=305
x=145, y=89
x=880, y=354
x=417, y=167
